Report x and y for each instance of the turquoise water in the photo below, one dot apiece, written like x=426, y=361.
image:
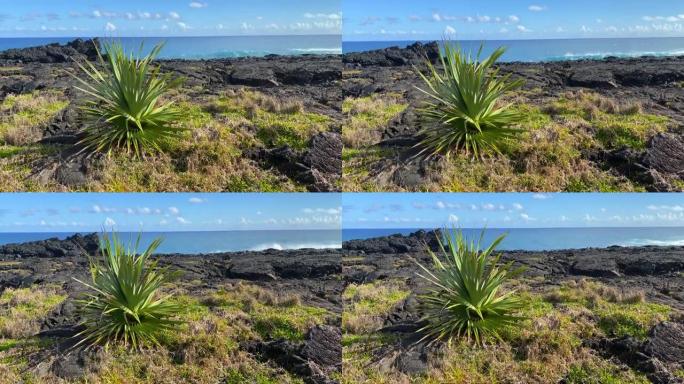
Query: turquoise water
x=211, y=47
x=540, y=239
x=553, y=49
x=211, y=242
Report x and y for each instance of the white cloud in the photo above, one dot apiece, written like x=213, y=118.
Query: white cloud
x=453, y=219
x=673, y=208
x=513, y=19
x=436, y=16
x=174, y=210
x=330, y=16
x=522, y=28
x=109, y=27
x=174, y=15
x=527, y=217
x=197, y=200
x=197, y=4
x=541, y=196
x=182, y=220
x=109, y=222
x=182, y=25
x=449, y=30
x=536, y=8
x=518, y=206
x=488, y=207
x=589, y=218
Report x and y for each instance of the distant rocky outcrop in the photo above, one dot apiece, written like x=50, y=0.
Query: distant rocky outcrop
x=73, y=246
x=414, y=54
x=54, y=53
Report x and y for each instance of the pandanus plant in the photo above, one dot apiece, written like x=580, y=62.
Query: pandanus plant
x=466, y=298
x=463, y=111
x=125, y=304
x=124, y=108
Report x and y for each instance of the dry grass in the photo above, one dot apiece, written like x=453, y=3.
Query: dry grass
x=551, y=154
x=22, y=310
x=23, y=117
x=547, y=347
x=367, y=305
x=366, y=117
x=205, y=351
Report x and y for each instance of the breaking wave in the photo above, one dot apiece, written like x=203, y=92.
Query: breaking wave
x=284, y=246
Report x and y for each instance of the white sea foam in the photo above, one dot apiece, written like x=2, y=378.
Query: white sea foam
x=284, y=246
x=318, y=50
x=661, y=243
x=603, y=55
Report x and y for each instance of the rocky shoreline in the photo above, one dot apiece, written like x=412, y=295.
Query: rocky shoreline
x=657, y=272
x=313, y=276
x=310, y=80
x=653, y=83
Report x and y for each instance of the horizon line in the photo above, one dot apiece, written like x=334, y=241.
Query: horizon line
x=161, y=37
x=510, y=39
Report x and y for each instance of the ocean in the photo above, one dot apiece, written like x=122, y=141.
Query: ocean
x=210, y=47
x=211, y=242
x=546, y=239
x=553, y=49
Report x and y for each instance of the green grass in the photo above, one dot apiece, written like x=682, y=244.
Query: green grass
x=548, y=346
x=635, y=320
x=20, y=114
x=276, y=125
x=615, y=128
x=205, y=350
x=367, y=304
x=373, y=111
x=605, y=373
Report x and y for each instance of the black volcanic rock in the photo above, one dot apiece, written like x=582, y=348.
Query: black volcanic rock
x=319, y=167
x=665, y=153
x=666, y=342
x=73, y=246
x=414, y=54
x=54, y=53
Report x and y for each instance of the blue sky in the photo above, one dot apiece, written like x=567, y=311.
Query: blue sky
x=510, y=19
x=50, y=18
x=511, y=210
x=75, y=212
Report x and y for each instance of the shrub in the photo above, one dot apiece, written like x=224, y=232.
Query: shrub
x=124, y=109
x=466, y=298
x=463, y=111
x=126, y=305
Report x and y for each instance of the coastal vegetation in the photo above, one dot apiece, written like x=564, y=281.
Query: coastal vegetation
x=570, y=136
x=126, y=306
x=463, y=110
x=126, y=122
x=466, y=299
x=124, y=109
x=406, y=323
x=550, y=342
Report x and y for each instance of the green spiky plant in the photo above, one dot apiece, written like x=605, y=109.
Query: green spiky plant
x=466, y=299
x=126, y=305
x=463, y=111
x=124, y=109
